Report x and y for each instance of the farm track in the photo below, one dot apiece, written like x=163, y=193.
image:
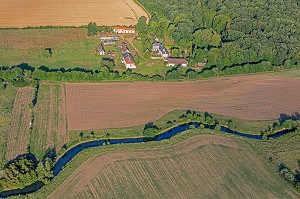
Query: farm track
x=20, y=126
x=116, y=105
x=204, y=166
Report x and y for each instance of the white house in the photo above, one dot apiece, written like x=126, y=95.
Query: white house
x=124, y=30
x=128, y=61
x=163, y=52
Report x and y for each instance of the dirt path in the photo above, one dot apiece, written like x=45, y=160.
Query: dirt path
x=115, y=105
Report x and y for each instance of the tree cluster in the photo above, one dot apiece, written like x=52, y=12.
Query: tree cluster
x=25, y=171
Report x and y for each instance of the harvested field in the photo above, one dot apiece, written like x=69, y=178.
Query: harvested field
x=7, y=98
x=115, y=105
x=33, y=39
x=203, y=166
x=50, y=124
x=16, y=13
x=18, y=134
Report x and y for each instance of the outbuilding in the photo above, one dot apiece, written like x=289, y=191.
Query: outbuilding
x=177, y=61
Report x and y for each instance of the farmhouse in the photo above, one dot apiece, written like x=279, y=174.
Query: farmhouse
x=161, y=50
x=177, y=61
x=101, y=49
x=124, y=30
x=128, y=61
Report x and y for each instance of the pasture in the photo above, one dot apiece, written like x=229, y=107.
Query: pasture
x=202, y=166
x=117, y=105
x=50, y=123
x=20, y=14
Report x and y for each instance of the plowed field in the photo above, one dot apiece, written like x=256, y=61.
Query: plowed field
x=22, y=13
x=204, y=166
x=113, y=105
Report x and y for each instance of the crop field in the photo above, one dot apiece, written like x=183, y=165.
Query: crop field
x=7, y=97
x=107, y=105
x=203, y=166
x=18, y=13
x=50, y=124
x=18, y=134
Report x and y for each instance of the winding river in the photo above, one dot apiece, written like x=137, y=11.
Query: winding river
x=68, y=156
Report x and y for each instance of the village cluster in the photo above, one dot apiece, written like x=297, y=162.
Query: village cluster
x=158, y=49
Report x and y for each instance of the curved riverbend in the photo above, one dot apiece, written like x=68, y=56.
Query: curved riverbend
x=68, y=156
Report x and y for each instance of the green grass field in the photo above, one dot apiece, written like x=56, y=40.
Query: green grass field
x=7, y=98
x=288, y=73
x=283, y=150
x=71, y=48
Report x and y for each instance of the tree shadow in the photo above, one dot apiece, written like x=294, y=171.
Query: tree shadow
x=50, y=153
x=283, y=117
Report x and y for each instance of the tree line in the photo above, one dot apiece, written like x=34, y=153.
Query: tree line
x=20, y=75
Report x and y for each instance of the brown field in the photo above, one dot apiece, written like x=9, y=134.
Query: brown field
x=18, y=134
x=50, y=124
x=17, y=13
x=204, y=166
x=35, y=39
x=114, y=105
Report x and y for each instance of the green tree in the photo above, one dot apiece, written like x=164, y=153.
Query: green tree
x=142, y=24
x=92, y=29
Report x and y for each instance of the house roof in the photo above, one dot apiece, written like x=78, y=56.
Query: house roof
x=177, y=61
x=100, y=48
x=129, y=60
x=164, y=51
x=124, y=48
x=157, y=44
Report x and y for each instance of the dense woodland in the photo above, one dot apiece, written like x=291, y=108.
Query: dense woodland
x=229, y=33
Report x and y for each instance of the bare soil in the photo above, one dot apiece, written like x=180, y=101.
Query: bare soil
x=23, y=13
x=204, y=166
x=20, y=126
x=114, y=105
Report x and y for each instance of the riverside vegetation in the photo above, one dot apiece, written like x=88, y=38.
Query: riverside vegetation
x=26, y=170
